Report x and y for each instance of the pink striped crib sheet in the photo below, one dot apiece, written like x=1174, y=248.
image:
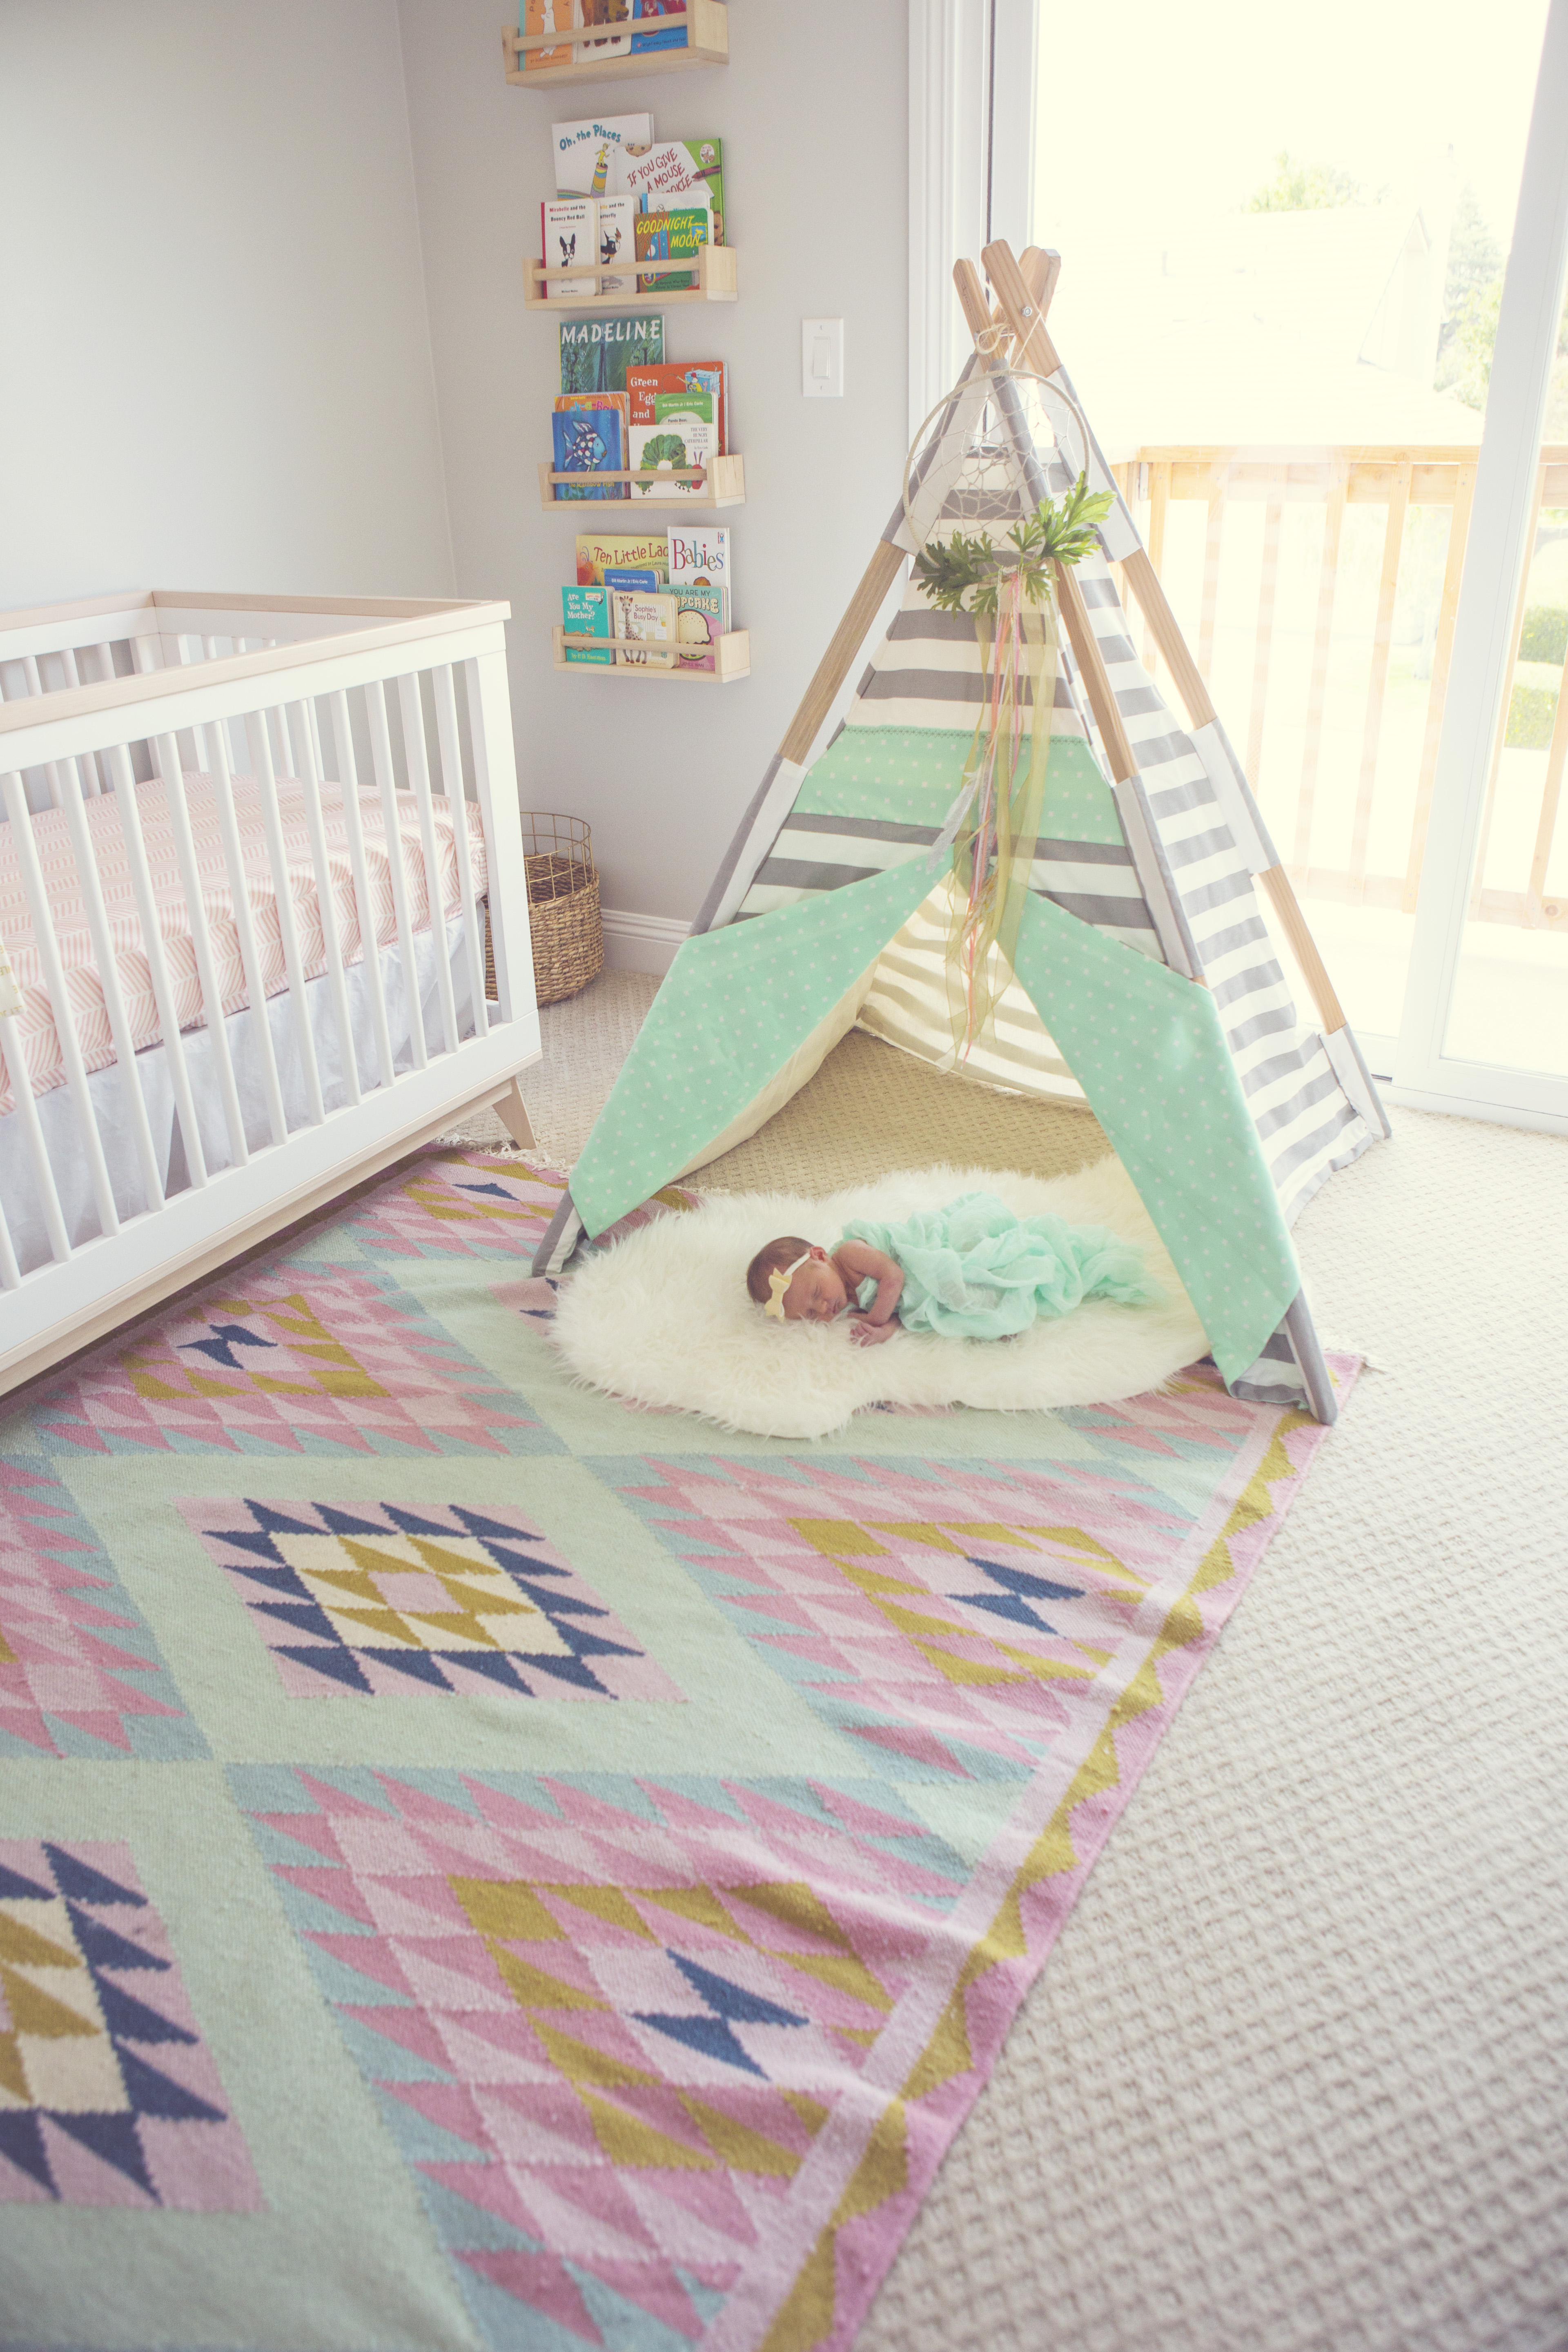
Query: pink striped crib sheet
x=39, y=1037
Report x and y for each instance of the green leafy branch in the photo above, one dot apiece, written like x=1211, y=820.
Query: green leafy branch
x=974, y=569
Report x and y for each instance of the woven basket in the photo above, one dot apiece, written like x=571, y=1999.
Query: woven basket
x=562, y=907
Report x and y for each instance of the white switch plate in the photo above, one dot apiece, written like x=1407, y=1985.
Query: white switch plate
x=821, y=358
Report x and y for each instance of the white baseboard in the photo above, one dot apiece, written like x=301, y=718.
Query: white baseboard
x=641, y=942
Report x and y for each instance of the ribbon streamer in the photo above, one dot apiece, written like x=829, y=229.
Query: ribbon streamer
x=994, y=821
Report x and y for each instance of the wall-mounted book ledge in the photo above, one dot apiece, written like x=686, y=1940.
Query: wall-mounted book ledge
x=723, y=484
x=706, y=25
x=716, y=282
x=732, y=651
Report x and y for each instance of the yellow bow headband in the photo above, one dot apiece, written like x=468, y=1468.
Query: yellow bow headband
x=779, y=1283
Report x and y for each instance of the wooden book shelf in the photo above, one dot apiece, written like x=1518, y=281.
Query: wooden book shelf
x=716, y=282
x=734, y=650
x=721, y=485
x=707, y=43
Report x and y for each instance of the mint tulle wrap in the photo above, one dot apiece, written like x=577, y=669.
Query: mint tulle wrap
x=976, y=1271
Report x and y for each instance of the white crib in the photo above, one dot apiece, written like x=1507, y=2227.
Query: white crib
x=243, y=931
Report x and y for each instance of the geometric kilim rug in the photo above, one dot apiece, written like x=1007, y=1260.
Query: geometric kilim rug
x=486, y=1869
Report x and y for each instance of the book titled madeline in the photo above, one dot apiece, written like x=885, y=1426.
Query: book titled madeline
x=596, y=353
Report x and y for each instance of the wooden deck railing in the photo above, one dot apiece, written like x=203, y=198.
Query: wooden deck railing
x=1292, y=617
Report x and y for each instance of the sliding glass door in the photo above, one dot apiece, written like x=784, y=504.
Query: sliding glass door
x=1311, y=295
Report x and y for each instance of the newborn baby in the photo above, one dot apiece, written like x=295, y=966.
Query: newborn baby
x=972, y=1270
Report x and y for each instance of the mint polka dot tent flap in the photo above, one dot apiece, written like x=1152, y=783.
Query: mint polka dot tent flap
x=1140, y=975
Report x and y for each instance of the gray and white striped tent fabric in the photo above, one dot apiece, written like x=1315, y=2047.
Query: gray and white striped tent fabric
x=1174, y=882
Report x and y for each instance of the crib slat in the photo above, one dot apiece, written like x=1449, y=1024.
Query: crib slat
x=452, y=779
x=411, y=707
x=260, y=748
x=37, y=1150
x=168, y=752
x=245, y=924
x=381, y=759
x=347, y=784
x=129, y=811
x=36, y=686
x=332, y=939
x=54, y=977
x=113, y=996
x=85, y=764
x=10, y=1271
x=495, y=877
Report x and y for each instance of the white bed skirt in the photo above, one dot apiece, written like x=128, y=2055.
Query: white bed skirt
x=62, y=1134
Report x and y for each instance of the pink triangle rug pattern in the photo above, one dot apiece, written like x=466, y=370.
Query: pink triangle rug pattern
x=644, y=1841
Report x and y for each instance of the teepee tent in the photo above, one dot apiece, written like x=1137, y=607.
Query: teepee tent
x=1141, y=975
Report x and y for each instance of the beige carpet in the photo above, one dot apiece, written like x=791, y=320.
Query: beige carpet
x=1296, y=2077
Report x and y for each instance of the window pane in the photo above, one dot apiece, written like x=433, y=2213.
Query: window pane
x=1282, y=256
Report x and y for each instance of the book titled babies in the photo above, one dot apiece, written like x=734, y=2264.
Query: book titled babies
x=700, y=558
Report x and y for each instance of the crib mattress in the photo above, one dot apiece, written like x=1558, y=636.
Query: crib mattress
x=37, y=1033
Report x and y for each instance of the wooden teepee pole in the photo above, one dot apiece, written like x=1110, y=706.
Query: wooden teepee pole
x=1013, y=297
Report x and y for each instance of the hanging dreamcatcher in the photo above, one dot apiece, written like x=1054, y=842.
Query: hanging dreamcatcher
x=965, y=467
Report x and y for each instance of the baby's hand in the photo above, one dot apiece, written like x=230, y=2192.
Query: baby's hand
x=870, y=1335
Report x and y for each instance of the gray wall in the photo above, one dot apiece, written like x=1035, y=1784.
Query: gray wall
x=216, y=352
x=813, y=111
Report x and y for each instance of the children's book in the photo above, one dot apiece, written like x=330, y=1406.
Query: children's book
x=544, y=17
x=699, y=556
x=589, y=156
x=596, y=353
x=589, y=441
x=681, y=436
x=634, y=575
x=671, y=237
x=570, y=228
x=617, y=242
x=645, y=618
x=645, y=384
x=602, y=12
x=671, y=36
x=585, y=613
x=676, y=172
x=700, y=619
x=615, y=400
x=595, y=549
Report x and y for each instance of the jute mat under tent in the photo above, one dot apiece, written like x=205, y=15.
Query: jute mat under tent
x=871, y=1109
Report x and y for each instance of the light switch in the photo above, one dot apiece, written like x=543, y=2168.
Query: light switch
x=821, y=358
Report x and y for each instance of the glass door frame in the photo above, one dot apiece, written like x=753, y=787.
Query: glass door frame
x=1501, y=538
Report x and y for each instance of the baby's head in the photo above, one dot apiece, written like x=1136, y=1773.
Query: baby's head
x=815, y=1292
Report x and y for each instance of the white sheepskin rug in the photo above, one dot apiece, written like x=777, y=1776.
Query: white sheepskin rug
x=663, y=1318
